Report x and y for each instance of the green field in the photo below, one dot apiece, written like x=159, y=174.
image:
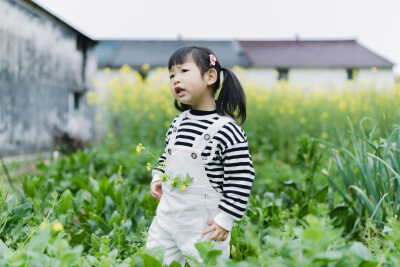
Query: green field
x=326, y=191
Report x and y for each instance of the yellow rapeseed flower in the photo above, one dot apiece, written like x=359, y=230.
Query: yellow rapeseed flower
x=183, y=187
x=91, y=98
x=342, y=105
x=325, y=115
x=139, y=147
x=57, y=226
x=148, y=167
x=43, y=225
x=125, y=69
x=324, y=135
x=171, y=182
x=146, y=67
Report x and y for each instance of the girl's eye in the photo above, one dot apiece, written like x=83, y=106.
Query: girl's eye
x=171, y=76
x=183, y=70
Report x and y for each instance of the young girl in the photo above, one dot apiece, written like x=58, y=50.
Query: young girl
x=205, y=143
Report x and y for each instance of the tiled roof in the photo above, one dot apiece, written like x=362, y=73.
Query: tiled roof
x=276, y=54
x=135, y=53
x=285, y=54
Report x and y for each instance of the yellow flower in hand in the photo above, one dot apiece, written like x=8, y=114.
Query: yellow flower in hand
x=139, y=147
x=183, y=187
x=171, y=182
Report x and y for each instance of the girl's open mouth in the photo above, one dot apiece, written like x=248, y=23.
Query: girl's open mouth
x=179, y=91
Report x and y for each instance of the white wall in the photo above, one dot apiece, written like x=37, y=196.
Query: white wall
x=313, y=78
x=323, y=78
x=320, y=78
x=381, y=78
x=260, y=76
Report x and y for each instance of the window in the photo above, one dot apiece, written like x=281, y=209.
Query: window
x=351, y=74
x=283, y=74
x=77, y=101
x=80, y=43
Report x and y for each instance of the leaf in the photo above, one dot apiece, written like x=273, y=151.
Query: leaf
x=175, y=264
x=304, y=211
x=387, y=165
x=207, y=252
x=39, y=241
x=65, y=202
x=149, y=261
x=313, y=234
x=157, y=253
x=360, y=250
x=41, y=166
x=29, y=186
x=96, y=242
x=20, y=211
x=329, y=255
x=103, y=185
x=115, y=218
x=3, y=249
x=363, y=197
x=322, y=194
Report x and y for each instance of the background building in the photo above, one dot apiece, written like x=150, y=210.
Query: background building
x=317, y=64
x=46, y=68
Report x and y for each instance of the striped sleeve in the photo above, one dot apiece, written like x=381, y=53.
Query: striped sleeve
x=238, y=180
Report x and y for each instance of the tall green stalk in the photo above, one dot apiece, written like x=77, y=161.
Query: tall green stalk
x=369, y=174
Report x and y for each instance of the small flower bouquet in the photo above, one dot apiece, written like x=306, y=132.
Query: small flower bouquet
x=176, y=182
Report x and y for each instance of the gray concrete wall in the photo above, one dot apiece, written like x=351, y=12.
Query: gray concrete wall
x=40, y=68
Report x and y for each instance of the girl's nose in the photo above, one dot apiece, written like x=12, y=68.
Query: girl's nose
x=176, y=79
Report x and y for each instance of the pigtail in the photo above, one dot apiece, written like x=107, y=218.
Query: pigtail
x=231, y=99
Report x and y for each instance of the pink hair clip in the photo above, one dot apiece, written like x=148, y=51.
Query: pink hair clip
x=213, y=59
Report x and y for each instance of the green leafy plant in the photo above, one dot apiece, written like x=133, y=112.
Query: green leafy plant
x=369, y=175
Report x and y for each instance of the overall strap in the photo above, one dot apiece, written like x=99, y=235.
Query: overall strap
x=172, y=138
x=203, y=140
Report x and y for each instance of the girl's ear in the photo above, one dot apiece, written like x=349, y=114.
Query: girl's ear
x=211, y=76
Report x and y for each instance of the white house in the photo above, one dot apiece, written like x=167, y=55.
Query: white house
x=320, y=64
x=317, y=64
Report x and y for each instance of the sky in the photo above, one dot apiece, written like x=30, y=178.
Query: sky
x=374, y=24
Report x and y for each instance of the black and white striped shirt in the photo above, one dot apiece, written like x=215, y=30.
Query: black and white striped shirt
x=231, y=170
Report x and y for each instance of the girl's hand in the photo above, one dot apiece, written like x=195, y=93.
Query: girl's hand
x=156, y=189
x=220, y=234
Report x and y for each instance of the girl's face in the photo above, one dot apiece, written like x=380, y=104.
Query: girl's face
x=189, y=87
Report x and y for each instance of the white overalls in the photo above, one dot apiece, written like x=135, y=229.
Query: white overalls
x=182, y=215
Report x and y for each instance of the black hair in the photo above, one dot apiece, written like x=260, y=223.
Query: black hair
x=231, y=100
